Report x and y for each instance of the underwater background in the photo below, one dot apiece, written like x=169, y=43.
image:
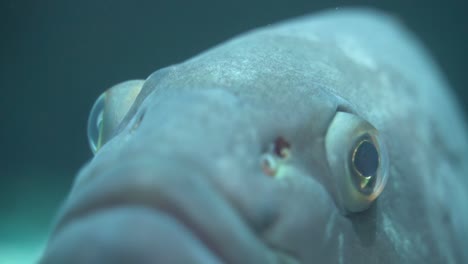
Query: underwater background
x=58, y=56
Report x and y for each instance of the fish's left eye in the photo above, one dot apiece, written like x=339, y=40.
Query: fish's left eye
x=109, y=110
x=358, y=161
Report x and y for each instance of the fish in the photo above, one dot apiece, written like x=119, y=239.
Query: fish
x=328, y=138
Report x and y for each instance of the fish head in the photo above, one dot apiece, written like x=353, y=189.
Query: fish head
x=267, y=149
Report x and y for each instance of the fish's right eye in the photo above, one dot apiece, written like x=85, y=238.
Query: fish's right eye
x=109, y=110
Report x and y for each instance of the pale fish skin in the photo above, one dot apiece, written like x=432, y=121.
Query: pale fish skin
x=180, y=180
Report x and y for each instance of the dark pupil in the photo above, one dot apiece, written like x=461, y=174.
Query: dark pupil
x=366, y=159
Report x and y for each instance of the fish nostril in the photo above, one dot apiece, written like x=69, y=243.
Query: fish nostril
x=281, y=147
x=269, y=164
x=274, y=157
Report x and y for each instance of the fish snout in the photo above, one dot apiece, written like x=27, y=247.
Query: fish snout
x=178, y=184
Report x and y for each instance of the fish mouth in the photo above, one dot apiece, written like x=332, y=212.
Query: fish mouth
x=128, y=234
x=151, y=212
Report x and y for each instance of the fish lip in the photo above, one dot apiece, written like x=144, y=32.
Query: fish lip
x=89, y=200
x=71, y=216
x=197, y=234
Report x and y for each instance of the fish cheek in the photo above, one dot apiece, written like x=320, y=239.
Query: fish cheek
x=365, y=225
